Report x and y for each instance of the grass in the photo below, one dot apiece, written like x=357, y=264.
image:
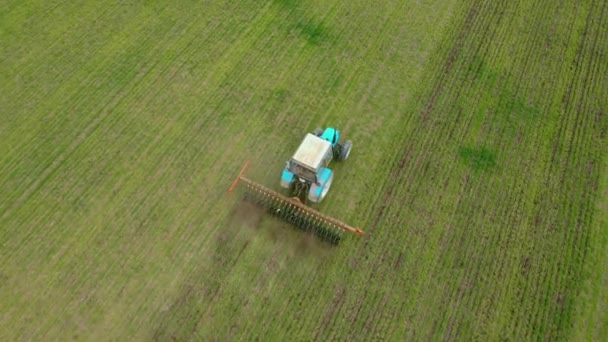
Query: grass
x=590, y=321
x=478, y=169
x=478, y=158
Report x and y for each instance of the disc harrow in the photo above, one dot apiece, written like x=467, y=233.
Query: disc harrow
x=293, y=211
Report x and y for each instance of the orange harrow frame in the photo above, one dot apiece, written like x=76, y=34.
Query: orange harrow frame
x=291, y=205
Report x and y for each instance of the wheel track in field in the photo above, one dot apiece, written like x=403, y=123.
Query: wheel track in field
x=580, y=218
x=509, y=209
x=229, y=253
x=233, y=261
x=536, y=63
x=419, y=162
x=521, y=296
x=471, y=274
x=386, y=256
x=388, y=316
x=486, y=34
x=450, y=129
x=400, y=161
x=599, y=129
x=514, y=216
x=388, y=195
x=447, y=67
x=571, y=119
x=574, y=153
x=399, y=257
x=293, y=66
x=339, y=102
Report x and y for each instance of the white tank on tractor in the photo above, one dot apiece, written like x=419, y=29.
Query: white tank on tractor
x=306, y=174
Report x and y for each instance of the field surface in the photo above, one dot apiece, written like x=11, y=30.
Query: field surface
x=479, y=169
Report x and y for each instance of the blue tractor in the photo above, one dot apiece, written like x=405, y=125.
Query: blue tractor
x=306, y=174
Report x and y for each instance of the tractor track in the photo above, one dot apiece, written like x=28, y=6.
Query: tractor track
x=456, y=91
x=581, y=139
x=560, y=159
x=515, y=214
x=216, y=293
x=429, y=106
x=396, y=175
x=399, y=168
x=527, y=261
x=510, y=210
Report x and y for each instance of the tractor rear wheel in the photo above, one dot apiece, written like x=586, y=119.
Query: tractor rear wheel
x=326, y=187
x=318, y=131
x=345, y=150
x=317, y=198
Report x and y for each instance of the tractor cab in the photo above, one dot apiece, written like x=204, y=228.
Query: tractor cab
x=313, y=154
x=306, y=174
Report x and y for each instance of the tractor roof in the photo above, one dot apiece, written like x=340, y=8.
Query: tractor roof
x=311, y=152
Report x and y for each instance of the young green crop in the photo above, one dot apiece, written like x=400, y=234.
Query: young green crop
x=478, y=169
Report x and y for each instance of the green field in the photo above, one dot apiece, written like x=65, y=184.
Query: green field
x=479, y=169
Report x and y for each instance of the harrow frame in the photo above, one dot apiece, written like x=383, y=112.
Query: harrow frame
x=293, y=210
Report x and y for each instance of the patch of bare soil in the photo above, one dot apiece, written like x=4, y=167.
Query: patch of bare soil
x=308, y=243
x=247, y=214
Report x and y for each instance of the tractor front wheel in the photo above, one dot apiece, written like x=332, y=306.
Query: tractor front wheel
x=345, y=150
